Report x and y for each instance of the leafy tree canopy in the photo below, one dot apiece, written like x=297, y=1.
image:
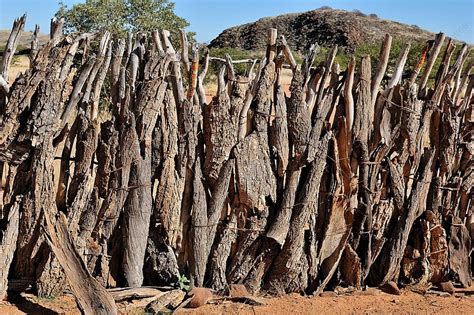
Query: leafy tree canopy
x=120, y=16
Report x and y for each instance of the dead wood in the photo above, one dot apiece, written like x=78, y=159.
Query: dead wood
x=438, y=43
x=122, y=294
x=389, y=263
x=56, y=30
x=199, y=222
x=8, y=240
x=220, y=133
x=11, y=46
x=459, y=248
x=362, y=225
x=255, y=178
x=287, y=264
x=249, y=188
x=299, y=115
x=34, y=44
x=166, y=302
x=278, y=131
x=91, y=297
x=381, y=68
x=221, y=253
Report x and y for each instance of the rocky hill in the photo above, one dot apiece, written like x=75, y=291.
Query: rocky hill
x=324, y=26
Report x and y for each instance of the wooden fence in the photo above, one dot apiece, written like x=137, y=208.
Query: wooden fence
x=352, y=178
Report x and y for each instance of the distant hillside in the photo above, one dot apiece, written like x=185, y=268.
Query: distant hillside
x=25, y=39
x=324, y=26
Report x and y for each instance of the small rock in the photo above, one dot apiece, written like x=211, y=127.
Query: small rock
x=238, y=290
x=367, y=292
x=447, y=287
x=328, y=294
x=390, y=288
x=199, y=297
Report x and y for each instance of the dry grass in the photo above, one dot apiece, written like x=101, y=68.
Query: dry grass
x=25, y=39
x=20, y=64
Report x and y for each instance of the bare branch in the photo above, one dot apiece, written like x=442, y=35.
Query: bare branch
x=11, y=45
x=288, y=54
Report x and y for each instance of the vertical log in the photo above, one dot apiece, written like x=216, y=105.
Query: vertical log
x=137, y=211
x=362, y=114
x=271, y=44
x=431, y=60
x=193, y=74
x=217, y=203
x=380, y=72
x=459, y=248
x=56, y=30
x=168, y=196
x=199, y=229
x=177, y=79
x=250, y=94
x=7, y=58
x=278, y=132
x=5, y=86
x=8, y=238
x=348, y=98
x=360, y=153
x=200, y=80
x=221, y=254
x=392, y=254
x=155, y=36
x=463, y=84
x=326, y=76
x=446, y=60
x=399, y=67
x=336, y=230
x=288, y=54
x=11, y=45
x=34, y=45
x=142, y=113
x=416, y=70
x=287, y=264
x=38, y=190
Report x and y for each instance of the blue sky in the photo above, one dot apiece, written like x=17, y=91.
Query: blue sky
x=209, y=17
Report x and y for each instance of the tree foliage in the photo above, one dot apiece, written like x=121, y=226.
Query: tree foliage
x=120, y=16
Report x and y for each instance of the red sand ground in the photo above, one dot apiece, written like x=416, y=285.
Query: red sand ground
x=374, y=302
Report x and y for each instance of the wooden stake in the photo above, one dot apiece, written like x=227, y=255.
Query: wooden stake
x=431, y=60
x=288, y=54
x=271, y=44
x=11, y=45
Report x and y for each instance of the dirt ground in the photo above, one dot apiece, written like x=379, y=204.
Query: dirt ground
x=368, y=302
x=407, y=303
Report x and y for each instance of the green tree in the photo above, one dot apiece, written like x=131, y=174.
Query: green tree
x=120, y=16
